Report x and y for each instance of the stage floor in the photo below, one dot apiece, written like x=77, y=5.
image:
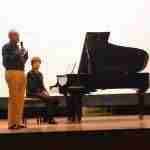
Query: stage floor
x=88, y=124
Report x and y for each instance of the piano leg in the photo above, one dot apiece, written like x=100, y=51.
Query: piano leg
x=70, y=108
x=140, y=95
x=76, y=106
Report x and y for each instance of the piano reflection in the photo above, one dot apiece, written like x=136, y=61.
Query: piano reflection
x=104, y=66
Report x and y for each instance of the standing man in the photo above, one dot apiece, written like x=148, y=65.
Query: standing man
x=36, y=88
x=14, y=59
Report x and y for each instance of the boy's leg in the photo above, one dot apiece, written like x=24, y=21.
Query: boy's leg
x=51, y=107
x=51, y=110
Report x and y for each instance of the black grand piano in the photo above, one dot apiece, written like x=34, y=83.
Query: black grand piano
x=104, y=66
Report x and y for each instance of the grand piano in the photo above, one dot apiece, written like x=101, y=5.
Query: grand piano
x=104, y=65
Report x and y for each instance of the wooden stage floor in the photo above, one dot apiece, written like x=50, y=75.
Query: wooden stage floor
x=88, y=124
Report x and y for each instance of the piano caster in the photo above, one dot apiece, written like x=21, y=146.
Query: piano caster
x=141, y=117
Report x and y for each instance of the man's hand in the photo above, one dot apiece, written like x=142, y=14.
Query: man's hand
x=23, y=56
x=23, y=52
x=26, y=55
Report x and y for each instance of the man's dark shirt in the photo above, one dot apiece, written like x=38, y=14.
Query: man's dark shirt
x=12, y=58
x=35, y=83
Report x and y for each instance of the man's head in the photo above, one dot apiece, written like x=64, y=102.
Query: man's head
x=35, y=62
x=13, y=36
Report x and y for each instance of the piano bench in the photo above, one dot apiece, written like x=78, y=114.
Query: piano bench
x=34, y=106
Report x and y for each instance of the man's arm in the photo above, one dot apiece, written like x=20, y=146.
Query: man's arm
x=24, y=57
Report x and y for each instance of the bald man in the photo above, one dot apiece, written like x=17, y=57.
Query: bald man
x=14, y=59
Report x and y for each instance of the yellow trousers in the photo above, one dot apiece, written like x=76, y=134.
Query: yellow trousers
x=16, y=81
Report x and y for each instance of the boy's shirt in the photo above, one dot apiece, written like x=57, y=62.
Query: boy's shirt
x=35, y=84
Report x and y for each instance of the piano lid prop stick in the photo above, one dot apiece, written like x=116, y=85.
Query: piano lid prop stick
x=89, y=60
x=74, y=67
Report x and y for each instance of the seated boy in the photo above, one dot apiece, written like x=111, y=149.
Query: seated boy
x=36, y=88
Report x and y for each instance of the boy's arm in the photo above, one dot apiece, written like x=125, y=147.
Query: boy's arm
x=43, y=86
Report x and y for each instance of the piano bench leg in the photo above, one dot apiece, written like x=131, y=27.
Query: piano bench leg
x=141, y=104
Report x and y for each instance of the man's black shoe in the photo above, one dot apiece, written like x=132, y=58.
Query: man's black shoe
x=15, y=127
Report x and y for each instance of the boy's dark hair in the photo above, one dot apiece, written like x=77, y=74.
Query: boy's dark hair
x=35, y=59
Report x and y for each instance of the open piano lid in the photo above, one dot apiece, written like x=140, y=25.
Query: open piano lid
x=99, y=56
